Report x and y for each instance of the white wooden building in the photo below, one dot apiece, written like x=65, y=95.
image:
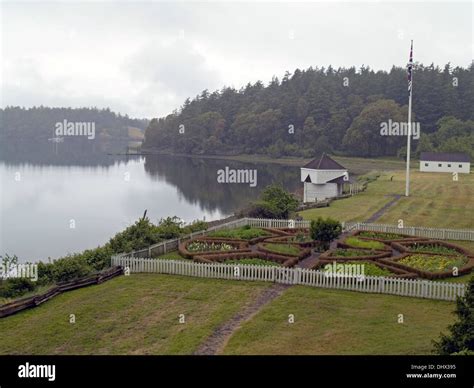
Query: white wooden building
x=323, y=178
x=445, y=162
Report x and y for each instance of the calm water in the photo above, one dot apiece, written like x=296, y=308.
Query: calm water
x=41, y=198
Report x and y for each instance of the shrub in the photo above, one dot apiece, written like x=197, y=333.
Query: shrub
x=98, y=258
x=194, y=226
x=325, y=230
x=262, y=209
x=13, y=287
x=461, y=337
x=45, y=273
x=70, y=268
x=274, y=202
x=140, y=235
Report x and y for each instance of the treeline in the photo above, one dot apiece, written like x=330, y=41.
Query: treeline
x=30, y=125
x=317, y=110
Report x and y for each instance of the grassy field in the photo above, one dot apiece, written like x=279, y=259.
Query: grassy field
x=136, y=314
x=360, y=206
x=435, y=201
x=357, y=166
x=342, y=322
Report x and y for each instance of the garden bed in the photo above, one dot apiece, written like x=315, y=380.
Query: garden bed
x=284, y=249
x=251, y=261
x=354, y=254
x=200, y=246
x=371, y=268
x=385, y=238
x=434, y=247
x=356, y=242
x=304, y=242
x=284, y=261
x=245, y=233
x=432, y=266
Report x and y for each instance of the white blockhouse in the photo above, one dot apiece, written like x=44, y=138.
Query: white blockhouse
x=323, y=178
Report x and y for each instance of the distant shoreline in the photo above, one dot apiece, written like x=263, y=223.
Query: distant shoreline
x=357, y=164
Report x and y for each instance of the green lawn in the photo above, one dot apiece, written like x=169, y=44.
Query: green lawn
x=342, y=322
x=174, y=255
x=435, y=201
x=368, y=244
x=360, y=206
x=136, y=314
x=244, y=233
x=284, y=249
x=357, y=166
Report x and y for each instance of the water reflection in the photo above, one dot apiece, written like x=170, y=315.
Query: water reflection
x=91, y=187
x=196, y=180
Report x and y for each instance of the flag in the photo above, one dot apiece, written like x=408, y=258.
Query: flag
x=410, y=68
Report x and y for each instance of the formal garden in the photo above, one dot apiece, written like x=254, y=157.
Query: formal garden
x=382, y=254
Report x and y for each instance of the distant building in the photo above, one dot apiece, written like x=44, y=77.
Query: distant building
x=445, y=162
x=323, y=178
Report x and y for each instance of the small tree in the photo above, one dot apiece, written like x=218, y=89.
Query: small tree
x=461, y=339
x=274, y=202
x=325, y=230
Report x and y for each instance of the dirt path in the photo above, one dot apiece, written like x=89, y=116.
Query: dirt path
x=216, y=342
x=379, y=213
x=218, y=339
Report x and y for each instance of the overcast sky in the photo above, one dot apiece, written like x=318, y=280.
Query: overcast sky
x=145, y=58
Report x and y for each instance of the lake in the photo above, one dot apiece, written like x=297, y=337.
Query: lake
x=65, y=203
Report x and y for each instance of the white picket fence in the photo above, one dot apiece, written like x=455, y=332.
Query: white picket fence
x=373, y=284
x=434, y=233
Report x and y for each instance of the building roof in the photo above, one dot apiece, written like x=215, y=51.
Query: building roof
x=341, y=180
x=445, y=157
x=324, y=162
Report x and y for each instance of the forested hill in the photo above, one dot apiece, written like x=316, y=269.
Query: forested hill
x=329, y=110
x=30, y=125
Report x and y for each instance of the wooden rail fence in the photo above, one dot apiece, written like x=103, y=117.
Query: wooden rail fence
x=33, y=301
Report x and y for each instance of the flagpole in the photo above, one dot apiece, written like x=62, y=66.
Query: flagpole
x=410, y=85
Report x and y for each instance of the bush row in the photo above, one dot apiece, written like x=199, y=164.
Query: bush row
x=137, y=236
